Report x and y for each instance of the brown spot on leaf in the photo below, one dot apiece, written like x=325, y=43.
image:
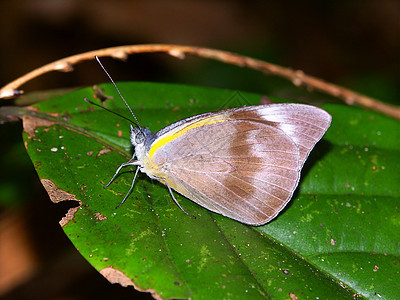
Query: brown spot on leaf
x=100, y=217
x=98, y=93
x=116, y=276
x=57, y=195
x=35, y=109
x=293, y=296
x=104, y=151
x=31, y=123
x=68, y=216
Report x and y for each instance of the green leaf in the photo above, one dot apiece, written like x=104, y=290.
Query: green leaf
x=339, y=236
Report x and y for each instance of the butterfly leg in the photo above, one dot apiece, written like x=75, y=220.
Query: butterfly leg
x=128, y=163
x=130, y=189
x=173, y=197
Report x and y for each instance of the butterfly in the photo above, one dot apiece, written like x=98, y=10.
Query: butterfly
x=243, y=163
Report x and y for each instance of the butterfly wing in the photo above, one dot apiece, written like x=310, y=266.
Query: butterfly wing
x=304, y=124
x=242, y=163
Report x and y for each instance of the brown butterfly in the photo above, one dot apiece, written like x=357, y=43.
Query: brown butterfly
x=243, y=163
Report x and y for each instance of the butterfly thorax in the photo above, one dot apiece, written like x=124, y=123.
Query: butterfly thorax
x=141, y=139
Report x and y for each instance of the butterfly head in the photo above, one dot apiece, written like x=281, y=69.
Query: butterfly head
x=141, y=139
x=138, y=135
x=141, y=136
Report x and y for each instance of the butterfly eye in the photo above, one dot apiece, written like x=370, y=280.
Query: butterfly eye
x=139, y=138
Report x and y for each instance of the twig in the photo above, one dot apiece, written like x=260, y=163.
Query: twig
x=297, y=77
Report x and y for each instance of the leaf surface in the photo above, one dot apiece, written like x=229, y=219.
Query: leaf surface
x=338, y=236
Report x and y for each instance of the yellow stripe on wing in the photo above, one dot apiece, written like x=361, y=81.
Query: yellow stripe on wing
x=181, y=130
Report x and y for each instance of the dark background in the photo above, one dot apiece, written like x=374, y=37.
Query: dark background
x=355, y=44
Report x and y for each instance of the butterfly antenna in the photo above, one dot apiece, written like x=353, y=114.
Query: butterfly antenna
x=119, y=93
x=109, y=110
